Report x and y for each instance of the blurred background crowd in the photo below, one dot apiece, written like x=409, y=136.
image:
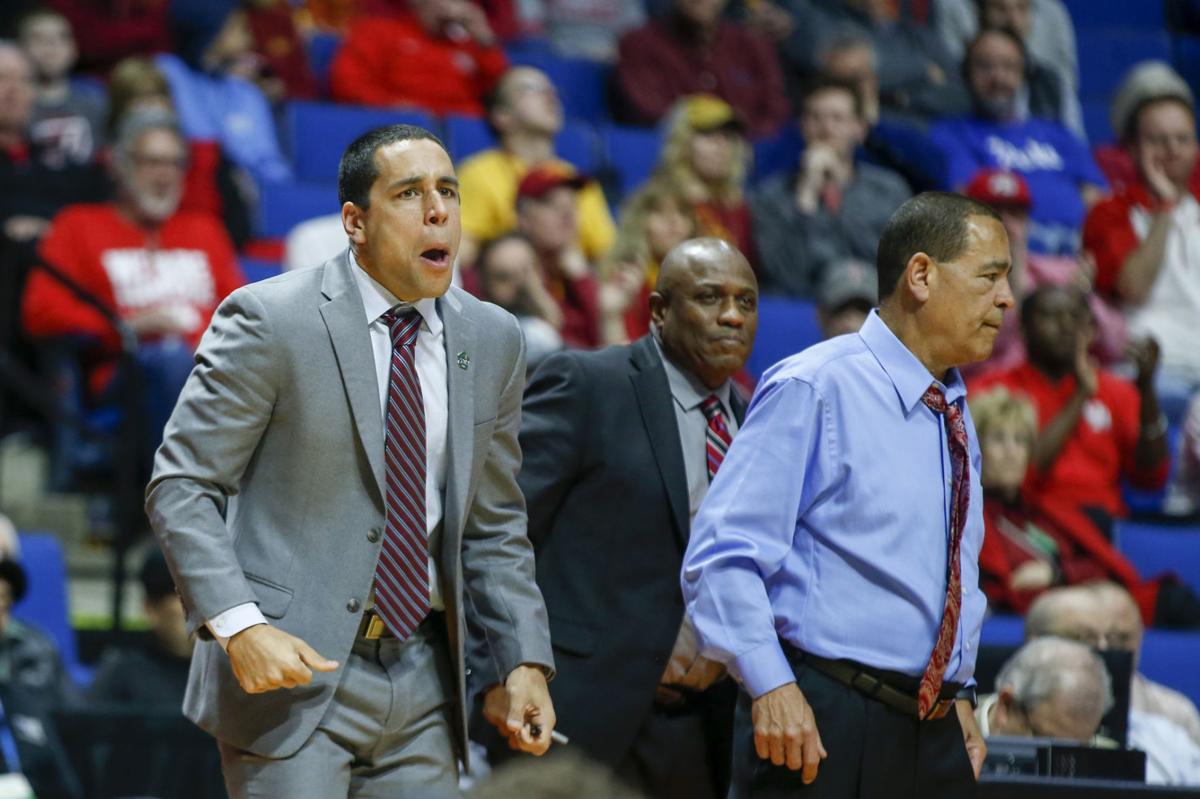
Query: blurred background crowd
x=157, y=154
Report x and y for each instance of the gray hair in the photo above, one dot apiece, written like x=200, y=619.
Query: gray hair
x=135, y=125
x=845, y=40
x=1051, y=667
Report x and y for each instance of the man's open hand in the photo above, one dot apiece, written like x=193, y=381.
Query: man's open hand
x=785, y=731
x=521, y=707
x=265, y=658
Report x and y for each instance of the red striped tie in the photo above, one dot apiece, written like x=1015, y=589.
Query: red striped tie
x=717, y=437
x=960, y=495
x=402, y=573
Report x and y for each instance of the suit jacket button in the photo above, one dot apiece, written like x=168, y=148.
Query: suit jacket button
x=352, y=606
x=373, y=535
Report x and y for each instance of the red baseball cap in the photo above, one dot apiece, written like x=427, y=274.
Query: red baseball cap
x=999, y=188
x=541, y=180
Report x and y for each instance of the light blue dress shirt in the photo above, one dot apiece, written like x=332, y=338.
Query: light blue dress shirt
x=828, y=524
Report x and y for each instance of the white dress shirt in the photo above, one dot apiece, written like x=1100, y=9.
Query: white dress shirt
x=431, y=371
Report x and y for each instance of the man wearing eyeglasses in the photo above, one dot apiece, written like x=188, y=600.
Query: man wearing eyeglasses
x=162, y=271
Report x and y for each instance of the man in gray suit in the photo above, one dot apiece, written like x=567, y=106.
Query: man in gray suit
x=337, y=481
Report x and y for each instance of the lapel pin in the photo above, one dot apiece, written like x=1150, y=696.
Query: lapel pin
x=464, y=360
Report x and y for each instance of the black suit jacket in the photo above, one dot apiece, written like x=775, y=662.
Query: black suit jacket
x=607, y=498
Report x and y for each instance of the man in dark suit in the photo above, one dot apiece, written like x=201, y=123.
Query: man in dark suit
x=619, y=448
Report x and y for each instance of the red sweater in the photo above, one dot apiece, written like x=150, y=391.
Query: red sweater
x=1099, y=451
x=1084, y=554
x=192, y=266
x=390, y=61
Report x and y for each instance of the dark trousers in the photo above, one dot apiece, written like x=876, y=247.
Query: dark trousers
x=875, y=752
x=684, y=753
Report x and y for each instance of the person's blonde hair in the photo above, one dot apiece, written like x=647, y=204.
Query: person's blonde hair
x=132, y=79
x=632, y=245
x=675, y=162
x=999, y=406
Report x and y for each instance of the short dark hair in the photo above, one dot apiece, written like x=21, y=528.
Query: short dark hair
x=825, y=83
x=1007, y=33
x=488, y=247
x=357, y=171
x=1133, y=124
x=155, y=576
x=933, y=222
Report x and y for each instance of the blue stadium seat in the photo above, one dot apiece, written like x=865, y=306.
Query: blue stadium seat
x=282, y=206
x=256, y=269
x=785, y=326
x=1095, y=121
x=1187, y=59
x=1105, y=55
x=577, y=143
x=1128, y=14
x=632, y=154
x=320, y=132
x=1156, y=548
x=778, y=153
x=582, y=85
x=45, y=605
x=322, y=48
x=1169, y=657
x=1003, y=630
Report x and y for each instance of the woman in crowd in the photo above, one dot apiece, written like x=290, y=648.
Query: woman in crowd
x=653, y=220
x=706, y=157
x=1027, y=548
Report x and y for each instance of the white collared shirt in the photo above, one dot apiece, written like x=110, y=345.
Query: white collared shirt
x=431, y=371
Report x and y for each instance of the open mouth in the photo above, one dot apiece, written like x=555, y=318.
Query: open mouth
x=437, y=256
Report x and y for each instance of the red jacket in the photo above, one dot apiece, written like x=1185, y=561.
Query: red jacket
x=191, y=266
x=391, y=61
x=1084, y=555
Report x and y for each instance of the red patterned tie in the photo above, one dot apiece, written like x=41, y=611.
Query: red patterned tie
x=960, y=495
x=402, y=573
x=717, y=437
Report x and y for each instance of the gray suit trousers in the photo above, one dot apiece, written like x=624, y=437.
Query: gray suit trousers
x=387, y=733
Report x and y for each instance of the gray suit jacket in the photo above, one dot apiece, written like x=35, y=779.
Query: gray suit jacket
x=269, y=479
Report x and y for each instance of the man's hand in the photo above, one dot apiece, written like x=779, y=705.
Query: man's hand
x=972, y=738
x=24, y=227
x=786, y=731
x=1144, y=354
x=1160, y=184
x=1032, y=575
x=265, y=658
x=519, y=705
x=1086, y=371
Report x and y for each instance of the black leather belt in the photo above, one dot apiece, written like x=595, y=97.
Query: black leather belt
x=871, y=683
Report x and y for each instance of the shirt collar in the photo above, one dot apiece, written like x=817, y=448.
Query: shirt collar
x=907, y=373
x=686, y=388
x=377, y=300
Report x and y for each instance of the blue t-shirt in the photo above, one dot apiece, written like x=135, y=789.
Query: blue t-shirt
x=1052, y=160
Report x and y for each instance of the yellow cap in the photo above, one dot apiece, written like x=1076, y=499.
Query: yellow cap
x=707, y=112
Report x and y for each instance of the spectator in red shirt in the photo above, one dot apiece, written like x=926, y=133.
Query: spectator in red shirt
x=1029, y=548
x=161, y=271
x=695, y=49
x=1095, y=427
x=110, y=30
x=546, y=214
x=1145, y=239
x=441, y=57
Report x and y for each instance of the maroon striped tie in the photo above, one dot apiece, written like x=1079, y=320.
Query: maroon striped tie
x=402, y=573
x=960, y=495
x=716, y=438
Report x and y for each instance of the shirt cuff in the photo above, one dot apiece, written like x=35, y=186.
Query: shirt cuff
x=225, y=625
x=763, y=669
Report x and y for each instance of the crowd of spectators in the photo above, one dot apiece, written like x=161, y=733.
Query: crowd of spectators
x=137, y=136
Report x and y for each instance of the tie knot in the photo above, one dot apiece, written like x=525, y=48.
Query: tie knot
x=403, y=324
x=711, y=406
x=935, y=400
